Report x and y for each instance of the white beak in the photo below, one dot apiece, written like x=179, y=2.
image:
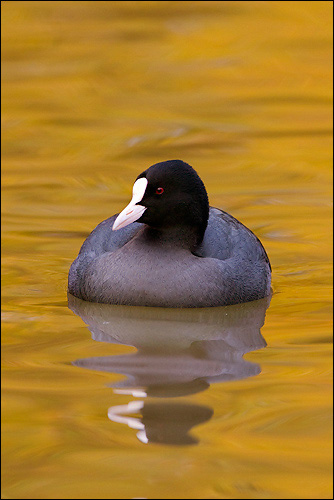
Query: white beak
x=132, y=212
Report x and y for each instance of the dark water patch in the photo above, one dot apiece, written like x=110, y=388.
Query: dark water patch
x=53, y=234
x=286, y=99
x=290, y=133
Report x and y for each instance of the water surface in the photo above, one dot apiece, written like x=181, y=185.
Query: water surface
x=146, y=406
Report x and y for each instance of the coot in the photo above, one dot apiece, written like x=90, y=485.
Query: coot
x=168, y=248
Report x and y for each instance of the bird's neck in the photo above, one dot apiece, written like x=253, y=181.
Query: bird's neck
x=176, y=236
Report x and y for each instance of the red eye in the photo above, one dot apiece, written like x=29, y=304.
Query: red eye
x=159, y=190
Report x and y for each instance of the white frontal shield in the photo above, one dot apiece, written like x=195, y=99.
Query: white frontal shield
x=132, y=212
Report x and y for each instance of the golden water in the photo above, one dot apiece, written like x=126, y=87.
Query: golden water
x=94, y=93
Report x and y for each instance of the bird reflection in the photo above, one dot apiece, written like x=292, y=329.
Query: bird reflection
x=162, y=423
x=179, y=352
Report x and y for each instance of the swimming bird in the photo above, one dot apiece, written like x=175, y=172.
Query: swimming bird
x=169, y=248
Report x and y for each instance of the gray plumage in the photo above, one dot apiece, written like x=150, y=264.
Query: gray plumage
x=134, y=267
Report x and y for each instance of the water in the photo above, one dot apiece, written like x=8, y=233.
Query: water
x=115, y=402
